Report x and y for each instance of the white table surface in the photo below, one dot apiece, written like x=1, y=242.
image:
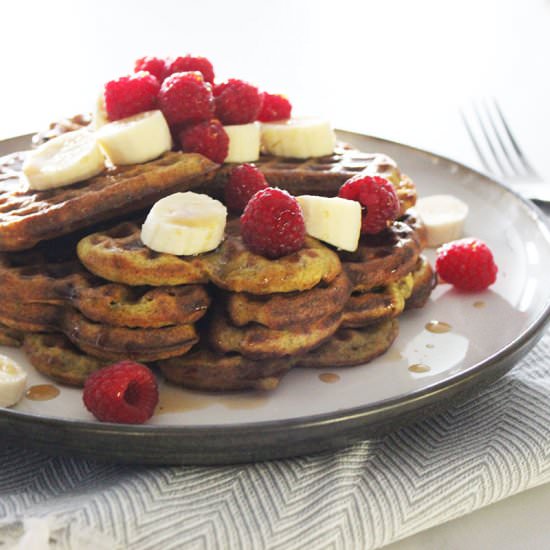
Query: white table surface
x=392, y=68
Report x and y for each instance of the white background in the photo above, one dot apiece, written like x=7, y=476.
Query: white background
x=397, y=69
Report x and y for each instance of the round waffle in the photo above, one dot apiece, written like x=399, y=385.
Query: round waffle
x=107, y=342
x=281, y=310
x=135, y=307
x=352, y=346
x=424, y=281
x=382, y=258
x=53, y=355
x=204, y=369
x=259, y=342
x=33, y=317
x=119, y=255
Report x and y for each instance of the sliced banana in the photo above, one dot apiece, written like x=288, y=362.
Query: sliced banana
x=334, y=220
x=65, y=159
x=12, y=381
x=184, y=224
x=139, y=138
x=298, y=138
x=443, y=216
x=244, y=142
x=99, y=116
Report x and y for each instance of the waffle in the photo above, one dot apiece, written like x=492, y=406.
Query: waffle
x=54, y=356
x=119, y=255
x=204, y=369
x=280, y=310
x=259, y=342
x=383, y=258
x=352, y=346
x=10, y=337
x=325, y=175
x=27, y=216
x=107, y=342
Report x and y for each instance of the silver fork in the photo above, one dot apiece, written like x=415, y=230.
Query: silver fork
x=500, y=153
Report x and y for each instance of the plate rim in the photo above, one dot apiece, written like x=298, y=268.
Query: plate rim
x=428, y=395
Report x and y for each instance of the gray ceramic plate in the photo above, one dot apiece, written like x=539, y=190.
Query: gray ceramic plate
x=305, y=414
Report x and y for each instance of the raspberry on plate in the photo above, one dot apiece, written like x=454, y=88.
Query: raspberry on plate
x=207, y=138
x=192, y=63
x=272, y=223
x=125, y=392
x=243, y=181
x=468, y=264
x=157, y=66
x=274, y=107
x=237, y=102
x=378, y=199
x=186, y=97
x=129, y=95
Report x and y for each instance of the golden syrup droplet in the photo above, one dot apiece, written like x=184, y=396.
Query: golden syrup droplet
x=430, y=346
x=419, y=367
x=329, y=377
x=479, y=304
x=42, y=392
x=438, y=327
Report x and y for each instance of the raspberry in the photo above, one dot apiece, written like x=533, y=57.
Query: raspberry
x=157, y=66
x=186, y=97
x=237, y=102
x=244, y=180
x=274, y=107
x=192, y=63
x=467, y=264
x=272, y=223
x=207, y=138
x=378, y=199
x=129, y=95
x=125, y=392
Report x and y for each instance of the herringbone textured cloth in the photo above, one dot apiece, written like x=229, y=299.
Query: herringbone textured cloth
x=365, y=496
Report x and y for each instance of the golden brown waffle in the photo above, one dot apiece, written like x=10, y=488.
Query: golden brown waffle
x=107, y=342
x=259, y=342
x=27, y=216
x=204, y=369
x=119, y=255
x=383, y=258
x=352, y=346
x=280, y=310
x=54, y=356
x=325, y=175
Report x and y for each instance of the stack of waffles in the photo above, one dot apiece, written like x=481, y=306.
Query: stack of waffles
x=80, y=290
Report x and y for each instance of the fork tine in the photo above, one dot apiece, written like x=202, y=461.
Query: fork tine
x=474, y=142
x=489, y=141
x=524, y=162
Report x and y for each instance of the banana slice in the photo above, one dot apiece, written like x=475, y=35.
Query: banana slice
x=443, y=216
x=12, y=382
x=139, y=138
x=244, y=142
x=298, y=138
x=333, y=220
x=184, y=224
x=99, y=116
x=65, y=159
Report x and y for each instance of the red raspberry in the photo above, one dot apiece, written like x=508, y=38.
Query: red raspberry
x=274, y=107
x=244, y=180
x=272, y=223
x=125, y=392
x=237, y=102
x=467, y=264
x=157, y=66
x=192, y=63
x=130, y=95
x=378, y=199
x=186, y=97
x=207, y=138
